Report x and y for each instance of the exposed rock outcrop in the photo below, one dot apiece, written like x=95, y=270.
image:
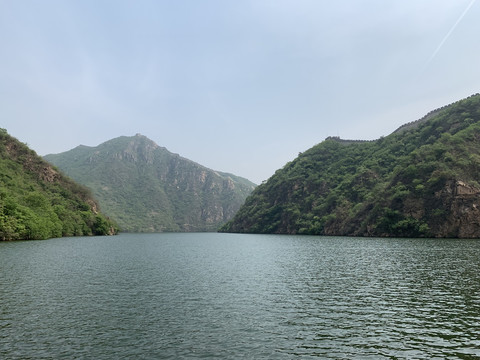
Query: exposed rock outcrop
x=146, y=188
x=461, y=202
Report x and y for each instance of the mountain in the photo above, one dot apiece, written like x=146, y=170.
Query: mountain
x=146, y=188
x=423, y=180
x=39, y=202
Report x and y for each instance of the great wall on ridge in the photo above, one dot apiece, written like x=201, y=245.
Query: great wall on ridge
x=404, y=127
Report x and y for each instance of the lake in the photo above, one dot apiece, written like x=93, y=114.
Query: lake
x=230, y=296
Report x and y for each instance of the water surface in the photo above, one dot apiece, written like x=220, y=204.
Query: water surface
x=230, y=296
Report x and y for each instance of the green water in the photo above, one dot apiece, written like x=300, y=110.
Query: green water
x=230, y=296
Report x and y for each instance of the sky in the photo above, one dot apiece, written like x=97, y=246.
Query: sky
x=239, y=86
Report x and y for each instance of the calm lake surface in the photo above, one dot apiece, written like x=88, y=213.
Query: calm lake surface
x=230, y=296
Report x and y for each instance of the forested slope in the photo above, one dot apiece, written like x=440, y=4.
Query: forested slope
x=39, y=202
x=422, y=181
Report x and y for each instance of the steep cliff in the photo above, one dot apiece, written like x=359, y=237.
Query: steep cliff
x=422, y=180
x=38, y=202
x=146, y=188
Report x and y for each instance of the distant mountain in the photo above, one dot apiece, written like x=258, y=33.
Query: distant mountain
x=39, y=202
x=146, y=188
x=423, y=180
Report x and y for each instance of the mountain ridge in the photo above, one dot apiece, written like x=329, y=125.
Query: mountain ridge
x=147, y=188
x=422, y=180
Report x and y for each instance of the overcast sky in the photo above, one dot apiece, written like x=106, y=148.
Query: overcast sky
x=236, y=85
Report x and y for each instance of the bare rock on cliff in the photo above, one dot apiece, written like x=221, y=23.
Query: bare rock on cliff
x=146, y=188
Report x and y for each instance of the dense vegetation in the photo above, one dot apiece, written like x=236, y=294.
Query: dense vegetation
x=420, y=181
x=146, y=188
x=38, y=202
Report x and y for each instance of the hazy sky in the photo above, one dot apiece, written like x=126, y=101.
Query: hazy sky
x=236, y=85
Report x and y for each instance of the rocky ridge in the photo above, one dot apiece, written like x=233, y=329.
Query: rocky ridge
x=146, y=188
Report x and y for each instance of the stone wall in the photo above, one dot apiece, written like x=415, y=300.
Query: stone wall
x=404, y=127
x=414, y=124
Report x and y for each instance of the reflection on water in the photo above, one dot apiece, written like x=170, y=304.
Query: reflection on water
x=159, y=296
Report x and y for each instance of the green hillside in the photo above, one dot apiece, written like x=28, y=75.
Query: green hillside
x=423, y=180
x=146, y=188
x=39, y=202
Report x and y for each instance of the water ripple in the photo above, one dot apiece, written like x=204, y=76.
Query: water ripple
x=174, y=296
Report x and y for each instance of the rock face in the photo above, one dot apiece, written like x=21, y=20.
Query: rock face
x=422, y=180
x=146, y=188
x=462, y=201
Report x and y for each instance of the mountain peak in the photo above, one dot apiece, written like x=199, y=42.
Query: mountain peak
x=140, y=137
x=147, y=188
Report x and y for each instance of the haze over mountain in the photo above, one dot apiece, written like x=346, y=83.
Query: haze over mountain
x=146, y=188
x=423, y=180
x=199, y=76
x=39, y=202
